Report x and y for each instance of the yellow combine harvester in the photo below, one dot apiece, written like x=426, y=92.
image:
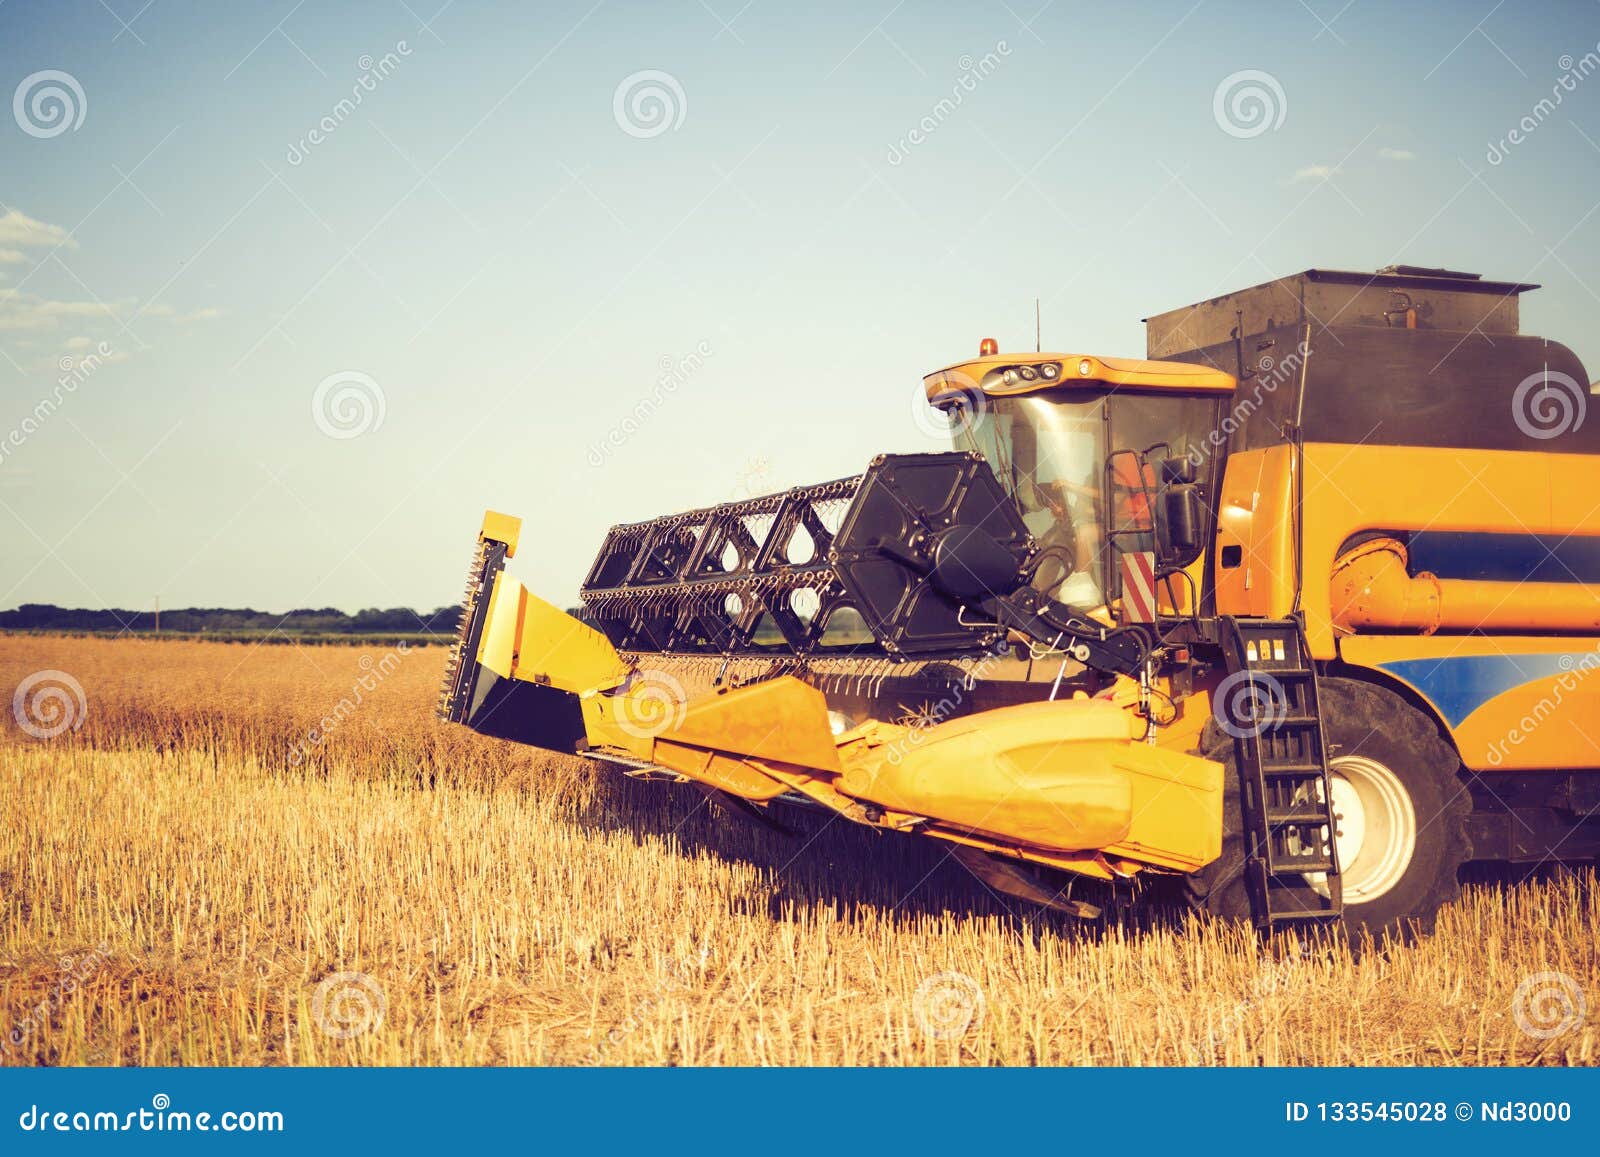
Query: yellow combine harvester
x=1299, y=615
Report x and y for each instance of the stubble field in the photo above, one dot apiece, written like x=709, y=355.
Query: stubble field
x=188, y=877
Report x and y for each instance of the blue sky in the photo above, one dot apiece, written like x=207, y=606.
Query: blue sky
x=505, y=250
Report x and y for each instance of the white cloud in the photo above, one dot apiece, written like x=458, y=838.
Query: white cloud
x=19, y=229
x=161, y=309
x=77, y=343
x=24, y=311
x=1313, y=173
x=1392, y=154
x=12, y=257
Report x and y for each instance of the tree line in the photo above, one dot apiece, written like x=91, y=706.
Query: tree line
x=199, y=620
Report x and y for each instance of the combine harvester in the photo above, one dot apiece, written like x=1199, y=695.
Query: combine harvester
x=1299, y=616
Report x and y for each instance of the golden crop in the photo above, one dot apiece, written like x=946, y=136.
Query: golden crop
x=184, y=877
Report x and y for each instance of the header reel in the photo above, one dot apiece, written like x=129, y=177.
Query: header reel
x=923, y=556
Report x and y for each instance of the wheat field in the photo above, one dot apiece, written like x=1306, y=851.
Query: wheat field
x=203, y=872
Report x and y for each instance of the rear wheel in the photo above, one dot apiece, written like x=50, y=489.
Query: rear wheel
x=1400, y=815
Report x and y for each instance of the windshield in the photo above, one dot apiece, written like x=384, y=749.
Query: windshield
x=1049, y=450
x=1049, y=453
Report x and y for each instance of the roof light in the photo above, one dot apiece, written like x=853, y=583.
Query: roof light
x=1050, y=371
x=1085, y=368
x=988, y=347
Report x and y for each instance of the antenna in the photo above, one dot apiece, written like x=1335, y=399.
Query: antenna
x=1037, y=346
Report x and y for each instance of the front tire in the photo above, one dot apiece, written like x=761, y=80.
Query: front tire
x=1400, y=808
x=1400, y=815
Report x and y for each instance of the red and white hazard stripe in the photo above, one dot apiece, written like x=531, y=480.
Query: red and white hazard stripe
x=1139, y=586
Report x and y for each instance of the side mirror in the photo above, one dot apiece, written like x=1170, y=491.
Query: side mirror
x=1183, y=516
x=1177, y=472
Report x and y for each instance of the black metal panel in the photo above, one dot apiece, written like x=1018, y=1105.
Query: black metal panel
x=1270, y=368
x=1419, y=388
x=782, y=573
x=914, y=512
x=524, y=712
x=1398, y=387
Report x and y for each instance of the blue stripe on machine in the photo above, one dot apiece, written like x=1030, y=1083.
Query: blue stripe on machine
x=1545, y=558
x=1459, y=684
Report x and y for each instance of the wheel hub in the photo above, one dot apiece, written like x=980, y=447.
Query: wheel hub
x=1375, y=827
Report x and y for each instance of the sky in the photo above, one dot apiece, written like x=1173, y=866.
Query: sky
x=291, y=292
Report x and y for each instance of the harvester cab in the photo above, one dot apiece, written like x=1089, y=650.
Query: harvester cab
x=1151, y=627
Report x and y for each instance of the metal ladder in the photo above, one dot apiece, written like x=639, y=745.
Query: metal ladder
x=1268, y=703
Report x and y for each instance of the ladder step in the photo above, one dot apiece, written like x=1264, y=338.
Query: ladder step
x=1276, y=819
x=1293, y=867
x=1304, y=915
x=1284, y=779
x=1289, y=721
